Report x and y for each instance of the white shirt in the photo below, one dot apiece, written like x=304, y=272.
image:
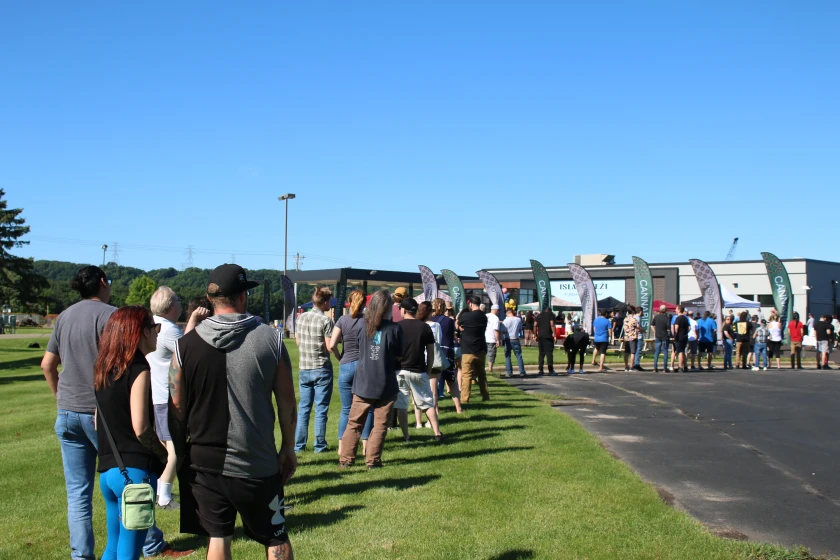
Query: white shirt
x=492, y=325
x=692, y=329
x=775, y=329
x=160, y=359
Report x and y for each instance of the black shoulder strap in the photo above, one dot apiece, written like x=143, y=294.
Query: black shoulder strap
x=113, y=444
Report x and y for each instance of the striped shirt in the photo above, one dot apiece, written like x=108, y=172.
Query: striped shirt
x=312, y=331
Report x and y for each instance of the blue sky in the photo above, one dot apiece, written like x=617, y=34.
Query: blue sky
x=457, y=135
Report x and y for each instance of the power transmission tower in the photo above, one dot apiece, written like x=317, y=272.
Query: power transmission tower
x=298, y=260
x=189, y=257
x=115, y=256
x=233, y=258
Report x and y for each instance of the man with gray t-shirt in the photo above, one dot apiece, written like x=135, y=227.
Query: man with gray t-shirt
x=75, y=344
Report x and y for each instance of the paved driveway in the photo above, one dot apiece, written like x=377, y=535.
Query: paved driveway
x=755, y=453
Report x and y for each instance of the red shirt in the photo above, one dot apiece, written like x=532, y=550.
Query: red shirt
x=795, y=328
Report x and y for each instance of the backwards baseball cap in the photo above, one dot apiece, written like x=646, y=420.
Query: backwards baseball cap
x=230, y=280
x=401, y=291
x=494, y=306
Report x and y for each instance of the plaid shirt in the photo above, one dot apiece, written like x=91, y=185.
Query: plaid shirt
x=312, y=330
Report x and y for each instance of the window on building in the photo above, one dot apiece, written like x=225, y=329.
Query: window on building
x=527, y=296
x=750, y=297
x=766, y=300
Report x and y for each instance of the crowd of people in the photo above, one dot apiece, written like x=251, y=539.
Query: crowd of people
x=140, y=400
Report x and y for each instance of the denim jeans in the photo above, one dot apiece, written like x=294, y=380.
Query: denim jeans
x=640, y=343
x=346, y=373
x=316, y=386
x=77, y=438
x=122, y=544
x=660, y=347
x=727, y=353
x=516, y=347
x=759, y=351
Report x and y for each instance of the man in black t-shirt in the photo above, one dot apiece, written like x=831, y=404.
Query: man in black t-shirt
x=743, y=335
x=825, y=335
x=546, y=337
x=681, y=326
x=662, y=330
x=472, y=325
x=415, y=367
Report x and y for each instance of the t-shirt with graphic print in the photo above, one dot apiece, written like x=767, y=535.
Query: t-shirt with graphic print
x=376, y=374
x=631, y=328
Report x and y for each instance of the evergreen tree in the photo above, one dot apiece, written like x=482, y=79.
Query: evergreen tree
x=20, y=286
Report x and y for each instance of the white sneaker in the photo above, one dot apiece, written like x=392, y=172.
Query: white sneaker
x=765, y=369
x=754, y=368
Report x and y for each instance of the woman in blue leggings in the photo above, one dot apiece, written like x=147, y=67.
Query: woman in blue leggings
x=124, y=403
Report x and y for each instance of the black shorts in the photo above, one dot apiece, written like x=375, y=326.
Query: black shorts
x=774, y=348
x=707, y=346
x=602, y=347
x=680, y=345
x=211, y=502
x=630, y=346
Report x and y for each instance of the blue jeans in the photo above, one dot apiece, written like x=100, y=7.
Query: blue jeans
x=122, y=544
x=727, y=353
x=759, y=351
x=640, y=343
x=660, y=347
x=79, y=445
x=316, y=386
x=516, y=347
x=346, y=373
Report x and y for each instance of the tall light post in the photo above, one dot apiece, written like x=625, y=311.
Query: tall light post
x=286, y=197
x=104, y=249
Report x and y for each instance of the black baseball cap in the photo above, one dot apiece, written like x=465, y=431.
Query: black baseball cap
x=231, y=280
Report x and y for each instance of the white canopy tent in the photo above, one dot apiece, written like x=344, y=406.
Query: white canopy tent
x=732, y=300
x=555, y=302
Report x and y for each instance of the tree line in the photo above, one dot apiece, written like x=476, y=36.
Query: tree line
x=130, y=286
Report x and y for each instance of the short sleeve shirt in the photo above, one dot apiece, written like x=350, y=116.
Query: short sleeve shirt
x=75, y=340
x=602, y=329
x=472, y=337
x=544, y=324
x=350, y=333
x=416, y=335
x=682, y=324
x=160, y=359
x=631, y=328
x=376, y=374
x=492, y=325
x=312, y=331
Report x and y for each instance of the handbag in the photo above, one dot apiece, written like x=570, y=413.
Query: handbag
x=137, y=506
x=441, y=361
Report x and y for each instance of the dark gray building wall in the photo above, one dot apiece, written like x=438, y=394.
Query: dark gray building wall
x=824, y=295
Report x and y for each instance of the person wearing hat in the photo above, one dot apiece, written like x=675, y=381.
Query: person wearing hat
x=493, y=334
x=398, y=295
x=222, y=378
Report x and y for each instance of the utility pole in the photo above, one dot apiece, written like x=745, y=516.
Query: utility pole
x=115, y=257
x=298, y=260
x=104, y=250
x=286, y=198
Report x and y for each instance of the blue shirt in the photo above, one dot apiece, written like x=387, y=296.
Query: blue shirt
x=602, y=329
x=708, y=328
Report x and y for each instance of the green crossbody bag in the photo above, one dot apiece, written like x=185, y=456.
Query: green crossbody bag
x=137, y=506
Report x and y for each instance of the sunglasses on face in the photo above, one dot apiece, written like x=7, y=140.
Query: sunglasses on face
x=155, y=327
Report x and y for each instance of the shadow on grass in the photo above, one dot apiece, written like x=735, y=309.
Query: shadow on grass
x=34, y=361
x=490, y=417
x=459, y=455
x=13, y=378
x=517, y=554
x=465, y=435
x=305, y=521
x=359, y=487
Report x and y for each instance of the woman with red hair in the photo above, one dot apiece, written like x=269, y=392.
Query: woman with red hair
x=123, y=394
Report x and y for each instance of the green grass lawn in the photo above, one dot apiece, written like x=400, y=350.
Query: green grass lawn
x=514, y=479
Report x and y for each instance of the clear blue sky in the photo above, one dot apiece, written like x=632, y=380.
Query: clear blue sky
x=453, y=134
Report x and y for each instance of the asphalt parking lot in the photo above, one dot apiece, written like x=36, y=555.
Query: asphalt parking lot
x=749, y=454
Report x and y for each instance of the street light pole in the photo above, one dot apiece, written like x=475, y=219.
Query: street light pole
x=286, y=197
x=104, y=249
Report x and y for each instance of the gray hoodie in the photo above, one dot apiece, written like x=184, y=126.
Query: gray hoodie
x=252, y=352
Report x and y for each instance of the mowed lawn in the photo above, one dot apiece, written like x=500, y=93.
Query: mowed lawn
x=513, y=479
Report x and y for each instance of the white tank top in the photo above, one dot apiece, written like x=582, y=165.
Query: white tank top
x=775, y=331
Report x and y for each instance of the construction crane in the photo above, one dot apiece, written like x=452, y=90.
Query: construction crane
x=731, y=252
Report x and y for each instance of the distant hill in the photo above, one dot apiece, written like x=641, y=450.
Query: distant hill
x=188, y=284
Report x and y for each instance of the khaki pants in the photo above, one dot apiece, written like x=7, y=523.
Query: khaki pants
x=358, y=416
x=742, y=350
x=472, y=365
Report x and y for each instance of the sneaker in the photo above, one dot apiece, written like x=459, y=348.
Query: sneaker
x=344, y=465
x=552, y=373
x=640, y=368
x=667, y=370
x=826, y=367
x=439, y=438
x=523, y=375
x=169, y=552
x=171, y=505
x=700, y=368
x=765, y=369
x=374, y=466
x=540, y=373
x=754, y=368
x=580, y=370
x=655, y=370
x=819, y=366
